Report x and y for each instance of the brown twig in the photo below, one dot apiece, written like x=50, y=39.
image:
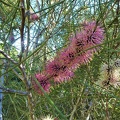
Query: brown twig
x=22, y=68
x=22, y=25
x=8, y=90
x=28, y=88
x=8, y=57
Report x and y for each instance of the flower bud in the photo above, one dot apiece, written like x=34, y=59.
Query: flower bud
x=34, y=17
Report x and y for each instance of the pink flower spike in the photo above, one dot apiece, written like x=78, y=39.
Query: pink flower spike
x=44, y=82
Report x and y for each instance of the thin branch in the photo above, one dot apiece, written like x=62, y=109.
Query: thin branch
x=25, y=59
x=8, y=57
x=24, y=76
x=28, y=28
x=108, y=10
x=22, y=25
x=28, y=88
x=5, y=3
x=18, y=75
x=77, y=102
x=75, y=108
x=49, y=7
x=8, y=90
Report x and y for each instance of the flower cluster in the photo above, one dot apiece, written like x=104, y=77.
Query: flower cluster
x=49, y=117
x=110, y=74
x=80, y=51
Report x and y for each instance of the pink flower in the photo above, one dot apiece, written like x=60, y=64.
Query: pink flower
x=90, y=36
x=67, y=56
x=65, y=74
x=34, y=17
x=53, y=67
x=44, y=82
x=64, y=77
x=58, y=70
x=94, y=33
x=84, y=57
x=78, y=41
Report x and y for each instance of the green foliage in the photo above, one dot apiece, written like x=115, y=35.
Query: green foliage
x=76, y=99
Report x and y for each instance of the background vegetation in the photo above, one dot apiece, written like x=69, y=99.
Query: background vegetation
x=27, y=43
